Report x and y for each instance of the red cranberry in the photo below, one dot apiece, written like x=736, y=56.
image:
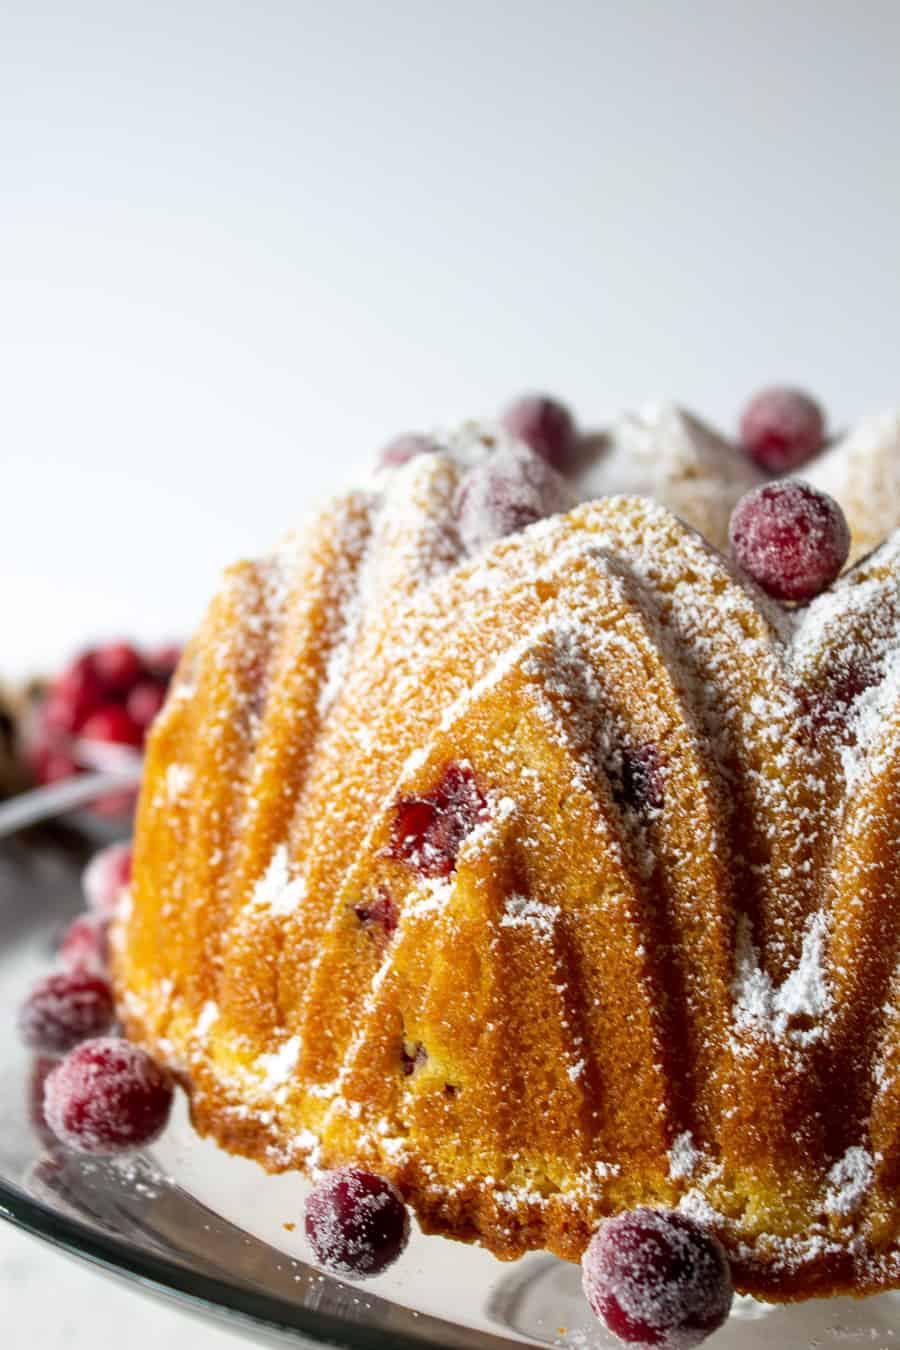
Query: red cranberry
x=162, y=662
x=73, y=697
x=65, y=1008
x=657, y=1279
x=106, y=877
x=111, y=723
x=107, y=1096
x=504, y=493
x=356, y=1223
x=85, y=944
x=379, y=917
x=412, y=1056
x=50, y=765
x=790, y=538
x=428, y=831
x=118, y=666
x=544, y=424
x=406, y=447
x=144, y=703
x=782, y=428
x=642, y=780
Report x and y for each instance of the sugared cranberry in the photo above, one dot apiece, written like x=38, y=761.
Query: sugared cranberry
x=144, y=703
x=782, y=428
x=406, y=447
x=162, y=662
x=73, y=697
x=106, y=877
x=65, y=1008
x=428, y=831
x=112, y=724
x=379, y=917
x=657, y=1279
x=642, y=780
x=504, y=493
x=85, y=944
x=118, y=666
x=356, y=1223
x=107, y=1096
x=544, y=424
x=790, y=538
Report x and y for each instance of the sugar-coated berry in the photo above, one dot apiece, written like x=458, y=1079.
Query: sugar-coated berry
x=356, y=1223
x=111, y=723
x=656, y=1278
x=782, y=428
x=546, y=425
x=85, y=943
x=428, y=831
x=403, y=448
x=505, y=492
x=144, y=703
x=107, y=1096
x=41, y=1068
x=118, y=666
x=790, y=538
x=65, y=1008
x=106, y=877
x=50, y=765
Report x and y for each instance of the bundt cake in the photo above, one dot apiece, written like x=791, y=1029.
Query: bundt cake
x=547, y=875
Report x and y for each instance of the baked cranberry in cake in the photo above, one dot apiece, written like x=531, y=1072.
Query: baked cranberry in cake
x=428, y=831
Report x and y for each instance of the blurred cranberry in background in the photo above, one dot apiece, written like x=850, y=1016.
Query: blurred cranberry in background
x=106, y=698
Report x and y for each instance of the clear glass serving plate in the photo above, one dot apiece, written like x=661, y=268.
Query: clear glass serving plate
x=217, y=1235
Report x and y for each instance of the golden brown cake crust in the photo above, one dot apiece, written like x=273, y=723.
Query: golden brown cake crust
x=608, y=1001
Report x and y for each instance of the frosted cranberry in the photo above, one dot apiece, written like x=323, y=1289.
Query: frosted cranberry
x=544, y=424
x=107, y=1096
x=642, y=780
x=356, y=1223
x=118, y=666
x=85, y=944
x=65, y=1008
x=144, y=703
x=406, y=447
x=782, y=428
x=73, y=697
x=790, y=538
x=112, y=724
x=657, y=1279
x=106, y=877
x=379, y=917
x=505, y=492
x=428, y=831
x=162, y=662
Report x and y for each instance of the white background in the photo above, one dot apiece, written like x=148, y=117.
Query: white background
x=241, y=244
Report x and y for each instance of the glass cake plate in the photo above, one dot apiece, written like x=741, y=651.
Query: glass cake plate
x=215, y=1234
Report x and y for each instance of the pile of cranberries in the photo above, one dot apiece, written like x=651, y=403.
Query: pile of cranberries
x=91, y=1090
x=108, y=696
